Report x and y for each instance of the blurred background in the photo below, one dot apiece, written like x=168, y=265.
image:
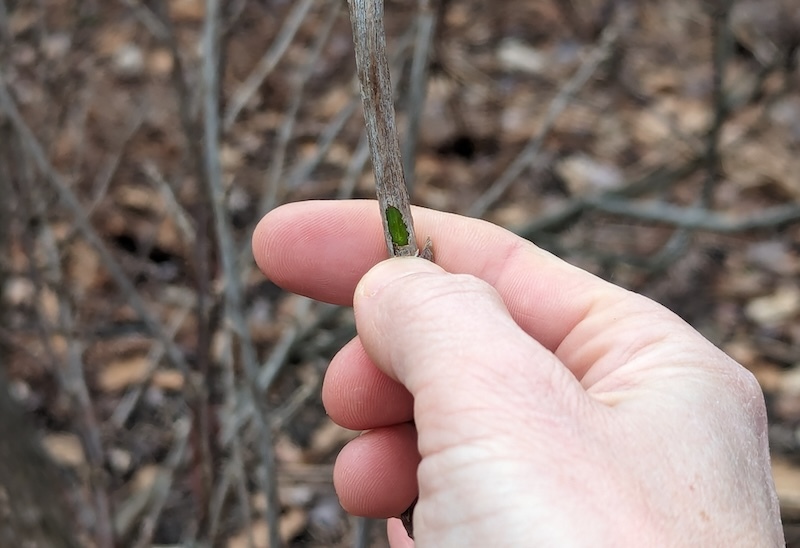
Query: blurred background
x=157, y=390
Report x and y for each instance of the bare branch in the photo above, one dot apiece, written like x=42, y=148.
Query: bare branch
x=164, y=479
x=302, y=171
x=366, y=17
x=357, y=162
x=426, y=25
x=4, y=32
x=571, y=211
x=697, y=218
x=528, y=155
x=227, y=249
x=721, y=49
x=235, y=471
x=149, y=19
x=270, y=196
x=268, y=62
x=103, y=179
x=84, y=227
x=67, y=369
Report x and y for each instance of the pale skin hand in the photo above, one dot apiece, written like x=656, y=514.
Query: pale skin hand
x=551, y=408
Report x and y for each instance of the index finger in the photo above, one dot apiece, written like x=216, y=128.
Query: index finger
x=321, y=249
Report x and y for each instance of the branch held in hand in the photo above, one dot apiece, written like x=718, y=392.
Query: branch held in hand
x=369, y=38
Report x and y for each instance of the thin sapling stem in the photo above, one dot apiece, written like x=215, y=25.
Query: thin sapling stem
x=369, y=38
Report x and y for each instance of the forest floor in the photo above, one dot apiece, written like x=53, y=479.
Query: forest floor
x=656, y=144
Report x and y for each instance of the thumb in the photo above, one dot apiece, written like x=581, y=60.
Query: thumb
x=451, y=341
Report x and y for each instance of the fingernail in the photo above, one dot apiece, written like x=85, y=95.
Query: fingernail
x=391, y=270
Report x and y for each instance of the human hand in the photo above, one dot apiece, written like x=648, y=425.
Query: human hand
x=550, y=408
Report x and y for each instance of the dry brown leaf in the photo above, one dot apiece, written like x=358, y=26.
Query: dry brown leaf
x=187, y=11
x=650, y=128
x=56, y=46
x=653, y=82
x=48, y=305
x=169, y=379
x=329, y=437
x=768, y=375
x=139, y=198
x=515, y=55
x=59, y=344
x=759, y=162
x=774, y=256
x=287, y=450
x=160, y=62
x=169, y=237
x=220, y=346
x=145, y=477
x=120, y=460
x=65, y=449
x=123, y=372
x=772, y=310
x=292, y=524
x=109, y=39
x=18, y=256
x=787, y=484
x=339, y=155
x=520, y=212
x=333, y=102
x=83, y=267
x=18, y=291
x=128, y=61
x=231, y=157
x=787, y=400
x=439, y=125
x=22, y=20
x=740, y=283
x=742, y=351
x=584, y=175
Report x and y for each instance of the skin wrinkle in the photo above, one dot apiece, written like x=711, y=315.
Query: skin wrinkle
x=511, y=373
x=435, y=436
x=414, y=317
x=478, y=405
x=629, y=369
x=513, y=282
x=493, y=272
x=513, y=477
x=615, y=361
x=445, y=288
